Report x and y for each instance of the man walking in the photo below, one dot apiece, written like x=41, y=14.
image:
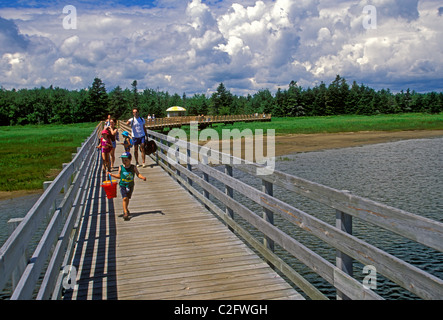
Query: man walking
x=138, y=135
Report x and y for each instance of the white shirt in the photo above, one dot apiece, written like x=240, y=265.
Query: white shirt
x=137, y=127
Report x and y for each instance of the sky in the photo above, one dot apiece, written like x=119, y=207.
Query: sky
x=192, y=46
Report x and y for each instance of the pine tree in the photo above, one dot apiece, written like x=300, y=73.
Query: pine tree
x=221, y=101
x=97, y=101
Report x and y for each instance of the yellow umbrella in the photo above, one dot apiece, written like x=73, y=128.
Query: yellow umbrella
x=176, y=109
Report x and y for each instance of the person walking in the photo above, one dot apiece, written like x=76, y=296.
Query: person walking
x=126, y=173
x=106, y=147
x=138, y=135
x=127, y=141
x=108, y=121
x=113, y=132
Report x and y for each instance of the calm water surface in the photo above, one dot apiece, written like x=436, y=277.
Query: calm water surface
x=405, y=174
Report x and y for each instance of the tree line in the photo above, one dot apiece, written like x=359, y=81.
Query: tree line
x=57, y=105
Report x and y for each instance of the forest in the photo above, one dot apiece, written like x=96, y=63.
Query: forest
x=62, y=106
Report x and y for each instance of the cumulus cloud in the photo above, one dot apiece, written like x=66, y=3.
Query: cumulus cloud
x=249, y=45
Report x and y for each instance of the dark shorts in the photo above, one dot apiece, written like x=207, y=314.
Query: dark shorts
x=137, y=141
x=126, y=192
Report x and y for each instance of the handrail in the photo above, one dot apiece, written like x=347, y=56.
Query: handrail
x=204, y=120
x=72, y=179
x=179, y=158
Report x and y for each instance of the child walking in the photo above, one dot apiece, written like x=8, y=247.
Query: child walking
x=127, y=141
x=126, y=174
x=106, y=146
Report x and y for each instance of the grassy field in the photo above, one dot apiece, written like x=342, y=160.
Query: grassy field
x=334, y=124
x=30, y=155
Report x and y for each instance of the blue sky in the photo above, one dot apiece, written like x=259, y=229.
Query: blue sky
x=191, y=46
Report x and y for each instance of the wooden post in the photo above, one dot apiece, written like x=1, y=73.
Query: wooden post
x=177, y=158
x=229, y=192
x=206, y=178
x=46, y=185
x=268, y=215
x=157, y=158
x=22, y=262
x=343, y=261
x=189, y=165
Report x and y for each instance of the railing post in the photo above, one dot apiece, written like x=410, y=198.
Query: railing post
x=343, y=261
x=229, y=192
x=188, y=163
x=268, y=215
x=177, y=157
x=46, y=185
x=206, y=178
x=22, y=262
x=157, y=157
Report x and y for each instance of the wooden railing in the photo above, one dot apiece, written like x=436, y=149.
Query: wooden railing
x=39, y=274
x=174, y=122
x=181, y=159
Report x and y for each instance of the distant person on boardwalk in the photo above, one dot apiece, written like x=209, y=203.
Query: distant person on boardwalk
x=106, y=147
x=137, y=124
x=127, y=141
x=126, y=174
x=108, y=121
x=113, y=135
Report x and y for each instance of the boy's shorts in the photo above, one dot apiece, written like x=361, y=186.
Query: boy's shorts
x=137, y=141
x=126, y=192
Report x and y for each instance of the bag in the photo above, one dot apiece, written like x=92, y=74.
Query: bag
x=150, y=147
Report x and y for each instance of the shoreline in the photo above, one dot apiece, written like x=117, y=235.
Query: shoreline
x=294, y=143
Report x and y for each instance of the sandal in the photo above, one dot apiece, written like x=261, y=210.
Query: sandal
x=126, y=217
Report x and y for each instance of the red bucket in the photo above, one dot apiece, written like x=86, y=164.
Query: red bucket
x=110, y=189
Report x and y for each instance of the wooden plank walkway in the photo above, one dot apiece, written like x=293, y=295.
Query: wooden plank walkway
x=204, y=121
x=172, y=248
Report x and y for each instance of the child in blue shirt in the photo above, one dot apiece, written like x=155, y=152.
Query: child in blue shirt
x=127, y=143
x=126, y=174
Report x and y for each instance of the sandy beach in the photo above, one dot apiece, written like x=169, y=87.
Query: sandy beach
x=293, y=143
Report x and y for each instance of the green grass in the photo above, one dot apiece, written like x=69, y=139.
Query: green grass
x=333, y=124
x=30, y=155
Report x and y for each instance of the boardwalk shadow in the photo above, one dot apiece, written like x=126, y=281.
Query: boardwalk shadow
x=95, y=253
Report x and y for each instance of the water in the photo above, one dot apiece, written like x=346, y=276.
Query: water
x=14, y=208
x=405, y=174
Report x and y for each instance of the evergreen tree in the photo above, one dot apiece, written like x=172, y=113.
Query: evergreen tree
x=221, y=101
x=118, y=103
x=97, y=101
x=294, y=100
x=319, y=106
x=336, y=96
x=135, y=94
x=279, y=103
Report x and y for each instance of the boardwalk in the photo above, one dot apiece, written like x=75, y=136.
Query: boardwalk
x=204, y=121
x=172, y=248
